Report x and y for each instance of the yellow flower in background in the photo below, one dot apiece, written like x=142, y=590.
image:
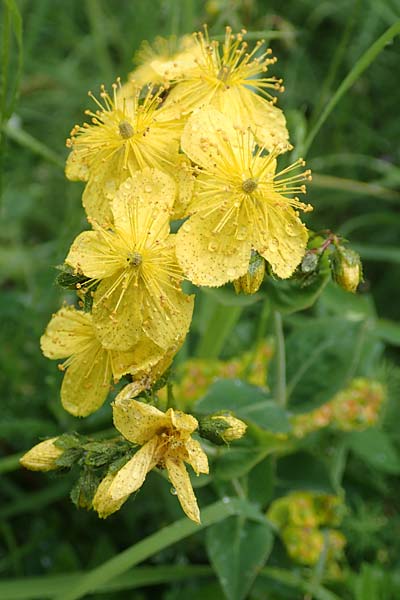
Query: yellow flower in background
x=139, y=291
x=232, y=79
x=126, y=135
x=42, y=457
x=240, y=203
x=89, y=366
x=166, y=442
x=163, y=61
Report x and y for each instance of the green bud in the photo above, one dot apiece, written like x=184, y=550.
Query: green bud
x=346, y=268
x=250, y=282
x=221, y=428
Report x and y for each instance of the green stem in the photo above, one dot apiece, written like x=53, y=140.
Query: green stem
x=28, y=141
x=361, y=65
x=10, y=463
x=280, y=360
x=153, y=544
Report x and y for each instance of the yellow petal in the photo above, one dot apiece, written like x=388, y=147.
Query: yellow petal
x=97, y=254
x=246, y=109
x=117, y=312
x=185, y=183
x=138, y=422
x=208, y=258
x=132, y=475
x=140, y=359
x=87, y=381
x=96, y=199
x=103, y=503
x=167, y=316
x=197, y=458
x=68, y=332
x=203, y=133
x=77, y=167
x=184, y=423
x=142, y=207
x=42, y=457
x=181, y=481
x=281, y=238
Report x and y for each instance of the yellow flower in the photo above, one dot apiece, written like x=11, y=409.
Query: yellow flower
x=163, y=61
x=233, y=79
x=240, y=203
x=103, y=503
x=42, y=457
x=125, y=135
x=139, y=291
x=166, y=442
x=90, y=367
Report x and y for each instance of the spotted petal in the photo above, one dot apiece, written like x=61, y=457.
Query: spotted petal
x=132, y=475
x=181, y=481
x=97, y=254
x=138, y=422
x=68, y=332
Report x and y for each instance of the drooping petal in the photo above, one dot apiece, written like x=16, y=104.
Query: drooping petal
x=208, y=258
x=68, y=332
x=142, y=207
x=197, y=458
x=97, y=254
x=180, y=479
x=132, y=475
x=117, y=311
x=182, y=422
x=202, y=135
x=281, y=238
x=136, y=421
x=87, y=381
x=143, y=356
x=185, y=183
x=103, y=503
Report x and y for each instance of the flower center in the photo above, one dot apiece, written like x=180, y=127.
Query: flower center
x=134, y=259
x=249, y=185
x=125, y=130
x=223, y=73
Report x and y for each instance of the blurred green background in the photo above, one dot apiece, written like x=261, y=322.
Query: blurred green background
x=72, y=47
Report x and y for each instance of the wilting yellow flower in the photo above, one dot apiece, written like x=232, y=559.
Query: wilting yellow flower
x=139, y=291
x=166, y=442
x=240, y=203
x=125, y=135
x=91, y=367
x=103, y=503
x=163, y=61
x=42, y=457
x=233, y=79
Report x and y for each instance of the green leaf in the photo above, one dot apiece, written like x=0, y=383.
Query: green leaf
x=247, y=402
x=302, y=471
x=237, y=550
x=288, y=296
x=388, y=331
x=375, y=447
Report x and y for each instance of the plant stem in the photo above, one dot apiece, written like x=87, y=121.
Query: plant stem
x=280, y=385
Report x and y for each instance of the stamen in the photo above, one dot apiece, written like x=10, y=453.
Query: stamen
x=135, y=259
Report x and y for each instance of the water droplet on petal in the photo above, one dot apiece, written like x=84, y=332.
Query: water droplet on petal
x=212, y=246
x=148, y=188
x=173, y=491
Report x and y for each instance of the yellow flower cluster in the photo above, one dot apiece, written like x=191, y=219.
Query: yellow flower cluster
x=195, y=137
x=302, y=519
x=357, y=407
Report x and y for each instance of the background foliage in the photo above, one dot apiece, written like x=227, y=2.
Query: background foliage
x=71, y=47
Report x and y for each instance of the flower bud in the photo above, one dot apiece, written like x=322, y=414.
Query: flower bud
x=346, y=268
x=221, y=428
x=103, y=503
x=42, y=457
x=250, y=282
